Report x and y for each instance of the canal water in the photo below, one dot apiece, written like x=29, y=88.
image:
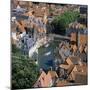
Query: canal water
x=46, y=56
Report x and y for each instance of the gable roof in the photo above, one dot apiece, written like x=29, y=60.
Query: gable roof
x=53, y=74
x=73, y=60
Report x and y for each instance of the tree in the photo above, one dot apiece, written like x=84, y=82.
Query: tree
x=24, y=72
x=61, y=22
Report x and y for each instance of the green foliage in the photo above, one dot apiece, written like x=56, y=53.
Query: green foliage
x=24, y=72
x=14, y=49
x=61, y=22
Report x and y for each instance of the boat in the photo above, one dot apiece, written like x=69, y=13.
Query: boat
x=48, y=53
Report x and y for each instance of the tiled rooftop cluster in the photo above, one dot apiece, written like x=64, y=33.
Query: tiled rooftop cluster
x=72, y=69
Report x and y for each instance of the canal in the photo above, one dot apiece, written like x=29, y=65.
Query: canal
x=47, y=55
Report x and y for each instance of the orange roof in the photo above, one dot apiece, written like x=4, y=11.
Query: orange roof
x=64, y=66
x=45, y=80
x=73, y=60
x=82, y=68
x=21, y=25
x=62, y=83
x=53, y=74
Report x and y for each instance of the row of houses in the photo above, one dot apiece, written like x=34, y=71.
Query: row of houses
x=74, y=73
x=51, y=9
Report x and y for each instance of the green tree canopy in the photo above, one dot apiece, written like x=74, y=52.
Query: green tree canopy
x=61, y=22
x=24, y=71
